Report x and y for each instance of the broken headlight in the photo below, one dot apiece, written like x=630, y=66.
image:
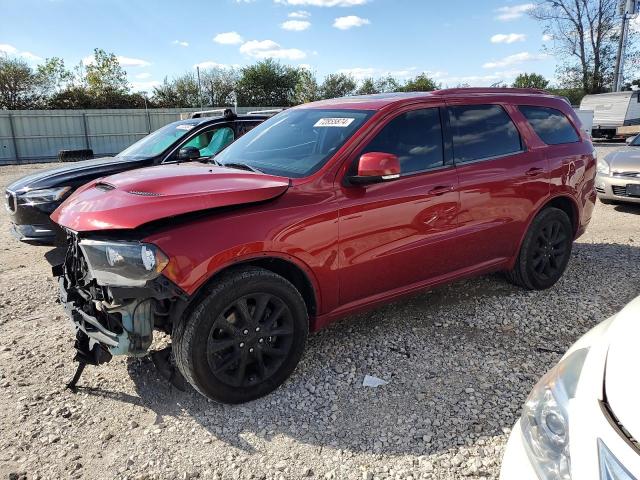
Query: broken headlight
x=545, y=418
x=123, y=264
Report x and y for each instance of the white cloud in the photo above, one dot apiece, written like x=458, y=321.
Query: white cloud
x=296, y=25
x=350, y=21
x=323, y=3
x=514, y=60
x=228, y=38
x=8, y=49
x=547, y=37
x=182, y=43
x=360, y=73
x=132, y=62
x=306, y=66
x=508, y=38
x=270, y=49
x=144, y=86
x=143, y=75
x=11, y=50
x=207, y=64
x=299, y=14
x=513, y=12
x=122, y=60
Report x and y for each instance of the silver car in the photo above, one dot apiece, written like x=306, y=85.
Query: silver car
x=618, y=177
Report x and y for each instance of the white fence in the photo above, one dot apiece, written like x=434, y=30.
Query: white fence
x=38, y=135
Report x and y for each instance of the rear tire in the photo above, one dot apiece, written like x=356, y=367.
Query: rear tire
x=244, y=338
x=545, y=251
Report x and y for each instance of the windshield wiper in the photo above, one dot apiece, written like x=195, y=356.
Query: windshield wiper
x=240, y=166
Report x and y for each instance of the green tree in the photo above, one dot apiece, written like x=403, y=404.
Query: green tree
x=182, y=91
x=367, y=87
x=585, y=37
x=219, y=86
x=307, y=89
x=530, y=80
x=267, y=83
x=18, y=84
x=338, y=85
x=104, y=74
x=53, y=76
x=421, y=83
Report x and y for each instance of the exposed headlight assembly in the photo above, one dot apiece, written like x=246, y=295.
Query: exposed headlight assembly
x=545, y=419
x=603, y=167
x=45, y=195
x=124, y=264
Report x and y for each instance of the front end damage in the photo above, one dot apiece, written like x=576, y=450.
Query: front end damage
x=112, y=320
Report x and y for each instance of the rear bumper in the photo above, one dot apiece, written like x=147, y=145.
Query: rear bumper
x=610, y=187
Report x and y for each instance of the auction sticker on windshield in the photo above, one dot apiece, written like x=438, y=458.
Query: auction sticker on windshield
x=334, y=122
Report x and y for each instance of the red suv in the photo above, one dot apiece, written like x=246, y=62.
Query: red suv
x=320, y=212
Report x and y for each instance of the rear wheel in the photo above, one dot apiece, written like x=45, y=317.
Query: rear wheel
x=244, y=338
x=545, y=252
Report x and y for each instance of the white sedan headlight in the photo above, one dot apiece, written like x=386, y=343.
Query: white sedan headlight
x=124, y=264
x=44, y=195
x=545, y=419
x=603, y=167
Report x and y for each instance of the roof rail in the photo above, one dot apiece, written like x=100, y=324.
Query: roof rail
x=507, y=90
x=218, y=112
x=272, y=111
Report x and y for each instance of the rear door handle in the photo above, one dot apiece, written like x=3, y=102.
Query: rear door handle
x=441, y=190
x=534, y=172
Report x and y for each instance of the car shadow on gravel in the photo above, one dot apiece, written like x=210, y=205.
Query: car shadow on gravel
x=459, y=360
x=628, y=208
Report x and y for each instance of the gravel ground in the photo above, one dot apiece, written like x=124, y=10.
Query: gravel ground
x=459, y=360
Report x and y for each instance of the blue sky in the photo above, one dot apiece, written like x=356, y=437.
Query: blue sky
x=464, y=41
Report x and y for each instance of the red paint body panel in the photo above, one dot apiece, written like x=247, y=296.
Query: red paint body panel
x=144, y=195
x=358, y=246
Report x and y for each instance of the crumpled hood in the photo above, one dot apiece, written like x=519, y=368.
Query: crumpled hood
x=621, y=384
x=131, y=199
x=625, y=160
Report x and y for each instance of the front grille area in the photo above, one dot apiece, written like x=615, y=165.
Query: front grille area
x=619, y=191
x=627, y=174
x=10, y=201
x=600, y=190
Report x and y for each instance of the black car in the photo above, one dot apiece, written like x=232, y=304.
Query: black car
x=33, y=198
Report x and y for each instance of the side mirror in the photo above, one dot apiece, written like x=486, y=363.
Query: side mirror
x=188, y=153
x=376, y=167
x=630, y=139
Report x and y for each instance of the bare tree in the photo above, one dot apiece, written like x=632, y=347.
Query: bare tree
x=584, y=35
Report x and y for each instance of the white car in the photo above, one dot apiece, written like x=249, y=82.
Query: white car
x=582, y=419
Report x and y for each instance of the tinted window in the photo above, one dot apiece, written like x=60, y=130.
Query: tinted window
x=414, y=137
x=551, y=125
x=482, y=131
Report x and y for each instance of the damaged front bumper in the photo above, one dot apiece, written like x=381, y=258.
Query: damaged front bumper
x=120, y=320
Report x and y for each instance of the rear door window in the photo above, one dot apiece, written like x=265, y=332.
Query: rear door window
x=482, y=131
x=415, y=138
x=551, y=125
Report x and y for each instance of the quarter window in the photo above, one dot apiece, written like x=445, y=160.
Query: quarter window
x=415, y=138
x=551, y=125
x=482, y=131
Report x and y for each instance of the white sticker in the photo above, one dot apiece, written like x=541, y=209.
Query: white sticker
x=334, y=122
x=184, y=127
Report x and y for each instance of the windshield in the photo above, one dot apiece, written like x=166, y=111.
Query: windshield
x=158, y=141
x=295, y=143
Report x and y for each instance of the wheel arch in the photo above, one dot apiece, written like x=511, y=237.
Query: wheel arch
x=562, y=202
x=298, y=274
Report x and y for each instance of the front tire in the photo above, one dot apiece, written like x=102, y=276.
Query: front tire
x=545, y=252
x=244, y=338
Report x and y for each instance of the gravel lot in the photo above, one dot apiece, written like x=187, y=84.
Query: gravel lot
x=459, y=360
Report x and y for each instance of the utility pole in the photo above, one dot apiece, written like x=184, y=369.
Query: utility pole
x=629, y=10
x=199, y=88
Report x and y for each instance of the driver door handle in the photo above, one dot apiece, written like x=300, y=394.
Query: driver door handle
x=441, y=190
